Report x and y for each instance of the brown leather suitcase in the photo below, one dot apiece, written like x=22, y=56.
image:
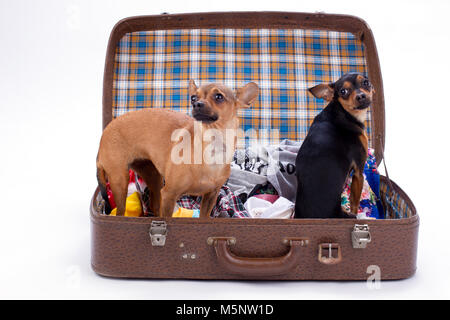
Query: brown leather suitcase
x=136, y=74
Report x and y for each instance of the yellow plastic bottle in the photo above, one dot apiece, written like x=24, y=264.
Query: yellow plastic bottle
x=133, y=206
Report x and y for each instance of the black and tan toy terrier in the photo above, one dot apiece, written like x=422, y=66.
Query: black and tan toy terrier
x=335, y=145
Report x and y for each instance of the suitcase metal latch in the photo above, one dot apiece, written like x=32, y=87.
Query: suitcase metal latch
x=158, y=232
x=360, y=236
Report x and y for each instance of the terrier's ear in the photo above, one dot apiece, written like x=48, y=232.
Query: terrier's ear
x=192, y=88
x=247, y=94
x=323, y=91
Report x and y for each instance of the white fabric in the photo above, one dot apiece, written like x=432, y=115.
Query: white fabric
x=282, y=208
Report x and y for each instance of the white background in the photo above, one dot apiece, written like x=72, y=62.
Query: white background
x=51, y=69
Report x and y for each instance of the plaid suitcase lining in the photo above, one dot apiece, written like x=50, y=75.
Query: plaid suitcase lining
x=395, y=206
x=153, y=68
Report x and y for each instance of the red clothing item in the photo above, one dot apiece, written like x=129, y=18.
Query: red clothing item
x=112, y=203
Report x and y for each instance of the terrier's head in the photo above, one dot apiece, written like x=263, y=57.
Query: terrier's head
x=353, y=91
x=216, y=102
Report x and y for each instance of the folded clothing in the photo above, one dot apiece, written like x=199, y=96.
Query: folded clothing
x=268, y=197
x=260, y=164
x=282, y=208
x=281, y=169
x=242, y=182
x=278, y=163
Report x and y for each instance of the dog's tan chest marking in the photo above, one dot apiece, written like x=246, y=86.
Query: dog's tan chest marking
x=364, y=141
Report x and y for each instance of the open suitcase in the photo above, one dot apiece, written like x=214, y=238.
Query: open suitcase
x=149, y=62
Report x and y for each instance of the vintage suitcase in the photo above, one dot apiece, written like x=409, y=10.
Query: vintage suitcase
x=149, y=62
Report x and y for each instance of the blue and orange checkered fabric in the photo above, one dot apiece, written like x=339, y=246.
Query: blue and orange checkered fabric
x=394, y=205
x=153, y=68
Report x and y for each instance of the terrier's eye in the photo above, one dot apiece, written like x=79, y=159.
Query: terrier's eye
x=194, y=98
x=343, y=92
x=219, y=97
x=366, y=83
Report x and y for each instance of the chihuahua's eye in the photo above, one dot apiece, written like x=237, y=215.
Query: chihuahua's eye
x=343, y=92
x=194, y=98
x=366, y=83
x=219, y=97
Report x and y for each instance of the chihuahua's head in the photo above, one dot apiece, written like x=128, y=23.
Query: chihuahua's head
x=216, y=102
x=353, y=91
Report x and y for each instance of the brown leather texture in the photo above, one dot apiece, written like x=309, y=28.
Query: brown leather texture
x=255, y=249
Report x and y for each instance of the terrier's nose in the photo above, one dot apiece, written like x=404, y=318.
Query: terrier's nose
x=361, y=97
x=198, y=105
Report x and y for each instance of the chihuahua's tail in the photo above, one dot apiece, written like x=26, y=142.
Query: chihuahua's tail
x=101, y=178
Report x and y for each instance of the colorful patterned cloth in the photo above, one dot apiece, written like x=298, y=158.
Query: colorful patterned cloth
x=152, y=70
x=368, y=199
x=373, y=178
x=228, y=205
x=368, y=204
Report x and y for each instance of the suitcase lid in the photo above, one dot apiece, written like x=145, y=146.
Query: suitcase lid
x=150, y=60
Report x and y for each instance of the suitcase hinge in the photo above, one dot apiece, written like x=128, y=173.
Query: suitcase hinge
x=360, y=236
x=158, y=232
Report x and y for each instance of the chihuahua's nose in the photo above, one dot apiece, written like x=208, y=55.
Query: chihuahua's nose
x=198, y=105
x=361, y=97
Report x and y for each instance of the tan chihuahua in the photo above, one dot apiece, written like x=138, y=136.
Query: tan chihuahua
x=148, y=141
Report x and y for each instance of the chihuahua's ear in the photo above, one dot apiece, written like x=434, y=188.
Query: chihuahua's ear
x=323, y=91
x=192, y=87
x=247, y=94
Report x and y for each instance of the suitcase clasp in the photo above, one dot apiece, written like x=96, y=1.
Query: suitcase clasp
x=158, y=232
x=360, y=236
